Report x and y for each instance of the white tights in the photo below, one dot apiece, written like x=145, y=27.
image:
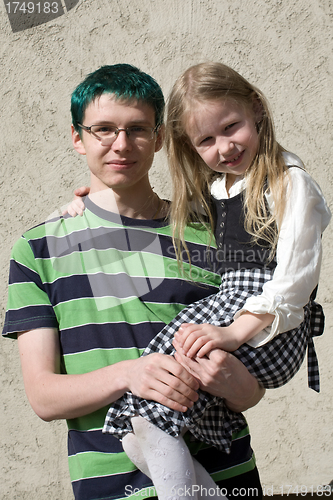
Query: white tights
x=167, y=461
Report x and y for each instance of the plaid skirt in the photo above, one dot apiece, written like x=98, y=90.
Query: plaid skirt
x=273, y=364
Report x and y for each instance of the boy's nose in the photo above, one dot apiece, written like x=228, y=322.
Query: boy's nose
x=122, y=141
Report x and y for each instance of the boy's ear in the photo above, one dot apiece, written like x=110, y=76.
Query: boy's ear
x=160, y=138
x=77, y=142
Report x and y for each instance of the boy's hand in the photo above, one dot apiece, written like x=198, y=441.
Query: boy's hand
x=159, y=377
x=77, y=206
x=223, y=375
x=199, y=340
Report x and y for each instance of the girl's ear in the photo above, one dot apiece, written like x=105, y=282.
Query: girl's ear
x=258, y=108
x=77, y=142
x=160, y=138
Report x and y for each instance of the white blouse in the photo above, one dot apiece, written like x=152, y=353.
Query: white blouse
x=298, y=252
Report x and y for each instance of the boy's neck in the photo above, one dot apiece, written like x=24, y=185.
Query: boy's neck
x=136, y=203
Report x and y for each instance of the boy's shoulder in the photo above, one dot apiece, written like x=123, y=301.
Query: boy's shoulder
x=46, y=234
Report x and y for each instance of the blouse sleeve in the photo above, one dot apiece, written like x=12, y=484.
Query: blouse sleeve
x=298, y=256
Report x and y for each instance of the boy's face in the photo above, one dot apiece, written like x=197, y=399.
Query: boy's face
x=126, y=163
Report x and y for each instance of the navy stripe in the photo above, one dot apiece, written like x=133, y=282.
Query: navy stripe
x=116, y=336
x=110, y=487
x=93, y=441
x=179, y=292
x=29, y=318
x=130, y=240
x=22, y=274
x=160, y=290
x=240, y=453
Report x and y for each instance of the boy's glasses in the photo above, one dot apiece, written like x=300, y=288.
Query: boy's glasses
x=107, y=134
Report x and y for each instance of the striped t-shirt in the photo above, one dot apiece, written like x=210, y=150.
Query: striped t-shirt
x=109, y=284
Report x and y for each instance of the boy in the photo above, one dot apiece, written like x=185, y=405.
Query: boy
x=87, y=295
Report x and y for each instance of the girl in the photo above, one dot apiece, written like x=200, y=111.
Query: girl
x=268, y=217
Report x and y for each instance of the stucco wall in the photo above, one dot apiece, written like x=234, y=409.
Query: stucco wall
x=285, y=48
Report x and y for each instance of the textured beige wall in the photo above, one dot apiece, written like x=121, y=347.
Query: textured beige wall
x=283, y=47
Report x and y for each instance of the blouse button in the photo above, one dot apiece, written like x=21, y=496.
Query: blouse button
x=279, y=299
x=223, y=214
x=222, y=224
x=222, y=204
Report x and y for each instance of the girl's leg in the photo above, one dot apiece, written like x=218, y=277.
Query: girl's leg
x=133, y=450
x=174, y=472
x=168, y=459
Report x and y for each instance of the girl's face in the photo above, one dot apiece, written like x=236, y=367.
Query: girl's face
x=224, y=134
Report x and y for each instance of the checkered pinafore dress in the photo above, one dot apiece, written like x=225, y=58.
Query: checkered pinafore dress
x=273, y=364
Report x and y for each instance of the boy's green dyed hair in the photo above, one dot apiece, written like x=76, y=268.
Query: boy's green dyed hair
x=125, y=82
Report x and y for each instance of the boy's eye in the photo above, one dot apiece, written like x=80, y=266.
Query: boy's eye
x=104, y=129
x=137, y=129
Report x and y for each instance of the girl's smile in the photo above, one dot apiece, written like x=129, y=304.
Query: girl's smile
x=224, y=134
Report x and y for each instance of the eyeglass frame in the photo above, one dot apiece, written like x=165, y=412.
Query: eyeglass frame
x=116, y=133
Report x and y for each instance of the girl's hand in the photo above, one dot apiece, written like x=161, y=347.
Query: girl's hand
x=199, y=340
x=77, y=206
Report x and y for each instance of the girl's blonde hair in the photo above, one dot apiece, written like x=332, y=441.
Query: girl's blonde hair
x=192, y=178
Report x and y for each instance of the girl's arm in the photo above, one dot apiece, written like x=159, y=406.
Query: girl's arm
x=298, y=257
x=76, y=207
x=295, y=277
x=199, y=340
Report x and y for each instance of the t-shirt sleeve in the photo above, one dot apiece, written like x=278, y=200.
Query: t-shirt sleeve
x=28, y=305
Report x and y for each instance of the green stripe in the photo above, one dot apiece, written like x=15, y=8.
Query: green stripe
x=24, y=295
x=109, y=261
x=88, y=361
x=113, y=262
x=98, y=464
x=92, y=422
x=98, y=310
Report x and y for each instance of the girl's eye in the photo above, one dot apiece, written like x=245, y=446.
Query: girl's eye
x=228, y=127
x=232, y=125
x=204, y=141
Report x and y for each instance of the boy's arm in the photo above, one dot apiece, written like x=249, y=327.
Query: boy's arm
x=53, y=395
